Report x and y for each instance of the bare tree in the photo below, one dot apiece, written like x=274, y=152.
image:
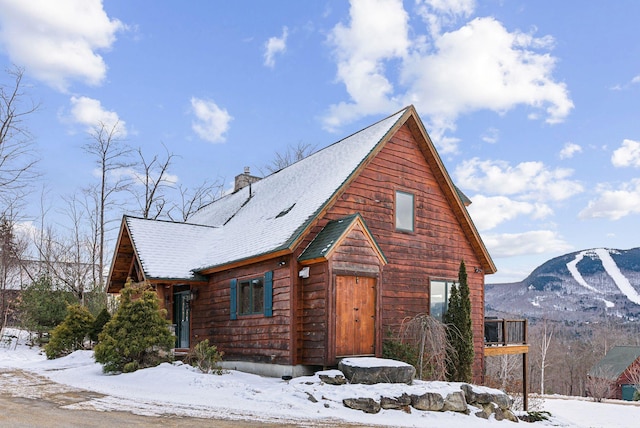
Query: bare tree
x=504, y=371
x=599, y=384
x=192, y=199
x=17, y=157
x=633, y=375
x=546, y=336
x=290, y=156
x=112, y=155
x=11, y=249
x=153, y=176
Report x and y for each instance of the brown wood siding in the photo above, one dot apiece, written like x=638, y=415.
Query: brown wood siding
x=252, y=337
x=313, y=317
x=433, y=250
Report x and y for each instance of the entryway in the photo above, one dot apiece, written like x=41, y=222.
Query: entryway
x=181, y=316
x=355, y=315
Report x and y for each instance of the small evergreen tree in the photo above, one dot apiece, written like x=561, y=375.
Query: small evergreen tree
x=98, y=324
x=459, y=331
x=70, y=334
x=137, y=335
x=43, y=306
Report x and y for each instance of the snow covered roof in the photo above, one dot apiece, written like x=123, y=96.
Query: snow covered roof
x=259, y=219
x=617, y=360
x=168, y=250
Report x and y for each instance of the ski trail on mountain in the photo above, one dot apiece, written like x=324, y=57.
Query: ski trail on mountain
x=614, y=272
x=573, y=269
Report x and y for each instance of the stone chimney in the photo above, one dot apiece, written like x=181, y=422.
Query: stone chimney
x=244, y=179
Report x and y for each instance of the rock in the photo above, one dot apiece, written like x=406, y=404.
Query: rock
x=501, y=399
x=506, y=414
x=486, y=410
x=397, y=403
x=455, y=402
x=369, y=370
x=333, y=380
x=311, y=398
x=429, y=401
x=367, y=405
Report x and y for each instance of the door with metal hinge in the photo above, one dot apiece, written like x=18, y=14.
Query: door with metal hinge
x=355, y=315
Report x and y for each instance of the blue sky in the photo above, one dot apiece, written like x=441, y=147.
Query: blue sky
x=534, y=106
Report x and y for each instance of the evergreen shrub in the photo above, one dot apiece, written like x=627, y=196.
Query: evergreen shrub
x=70, y=334
x=137, y=336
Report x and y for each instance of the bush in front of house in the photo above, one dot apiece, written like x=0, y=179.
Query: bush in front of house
x=71, y=333
x=206, y=358
x=422, y=342
x=137, y=336
x=98, y=324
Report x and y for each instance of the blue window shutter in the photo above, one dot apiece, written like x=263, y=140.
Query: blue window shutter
x=234, y=299
x=268, y=294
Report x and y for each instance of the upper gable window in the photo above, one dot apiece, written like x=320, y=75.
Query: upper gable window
x=404, y=211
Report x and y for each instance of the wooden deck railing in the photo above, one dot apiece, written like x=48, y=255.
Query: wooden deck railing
x=504, y=332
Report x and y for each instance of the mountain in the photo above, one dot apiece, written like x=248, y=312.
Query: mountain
x=579, y=286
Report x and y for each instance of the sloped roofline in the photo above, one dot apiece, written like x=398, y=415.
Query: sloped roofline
x=409, y=116
x=451, y=191
x=350, y=222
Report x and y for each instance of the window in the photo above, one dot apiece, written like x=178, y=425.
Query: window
x=404, y=211
x=252, y=296
x=439, y=297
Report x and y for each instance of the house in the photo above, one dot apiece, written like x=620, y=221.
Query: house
x=317, y=261
x=621, y=367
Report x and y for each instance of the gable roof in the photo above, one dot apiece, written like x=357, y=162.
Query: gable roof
x=270, y=217
x=330, y=237
x=617, y=360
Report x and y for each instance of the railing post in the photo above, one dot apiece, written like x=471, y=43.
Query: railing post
x=504, y=332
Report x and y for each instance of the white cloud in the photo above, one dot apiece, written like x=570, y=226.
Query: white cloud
x=479, y=66
x=613, y=204
x=56, y=41
x=491, y=136
x=569, y=150
x=211, y=122
x=274, y=46
x=528, y=180
x=378, y=31
x=439, y=13
x=489, y=212
x=636, y=79
x=627, y=155
x=531, y=242
x=89, y=112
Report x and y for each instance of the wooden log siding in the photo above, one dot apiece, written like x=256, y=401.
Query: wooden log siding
x=312, y=336
x=433, y=250
x=252, y=337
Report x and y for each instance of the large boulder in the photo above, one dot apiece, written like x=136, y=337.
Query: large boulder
x=482, y=397
x=429, y=401
x=367, y=405
x=370, y=370
x=455, y=402
x=396, y=403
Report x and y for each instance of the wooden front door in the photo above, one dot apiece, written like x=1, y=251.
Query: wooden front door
x=355, y=315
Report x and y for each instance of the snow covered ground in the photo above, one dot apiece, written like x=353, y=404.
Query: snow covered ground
x=182, y=390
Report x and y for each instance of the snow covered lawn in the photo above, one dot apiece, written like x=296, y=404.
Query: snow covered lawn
x=182, y=390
